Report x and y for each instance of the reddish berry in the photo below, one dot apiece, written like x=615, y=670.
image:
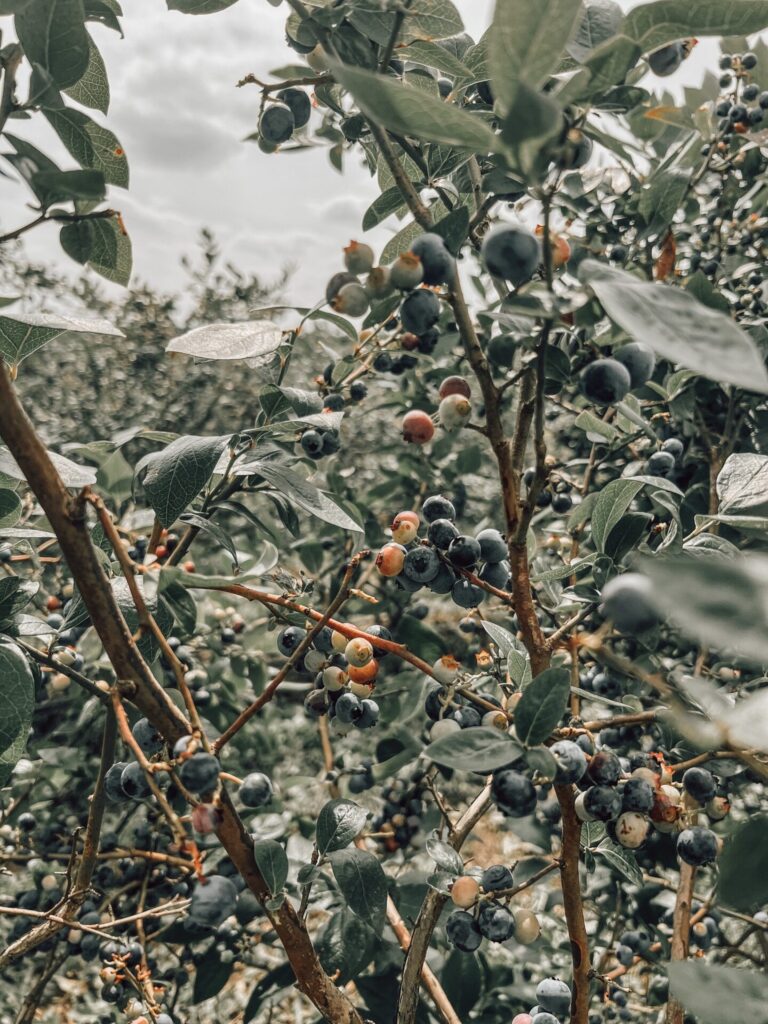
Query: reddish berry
x=418, y=427
x=455, y=386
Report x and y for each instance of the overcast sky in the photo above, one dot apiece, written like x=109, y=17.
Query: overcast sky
x=181, y=121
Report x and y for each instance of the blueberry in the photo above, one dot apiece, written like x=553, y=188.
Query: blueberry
x=468, y=717
x=511, y=252
x=496, y=922
x=441, y=532
x=421, y=564
x=638, y=360
x=637, y=795
x=628, y=601
x=420, y=311
x=501, y=350
x=200, y=773
x=370, y=714
x=134, y=781
x=288, y=639
x=561, y=503
x=554, y=995
x=256, y=790
x=26, y=822
x=464, y=551
x=493, y=547
x=605, y=381
x=496, y=877
x=348, y=708
x=462, y=931
x=602, y=802
x=438, y=507
x=667, y=59
x=214, y=899
x=312, y=443
x=276, y=124
x=147, y=737
x=750, y=92
x=749, y=61
x=625, y=956
x=299, y=103
x=335, y=285
x=436, y=260
x=674, y=446
x=112, y=782
x=571, y=761
x=445, y=581
x=604, y=769
x=357, y=391
x=382, y=633
x=514, y=794
x=700, y=783
x=466, y=594
x=606, y=685
x=660, y=464
x=697, y=846
x=496, y=574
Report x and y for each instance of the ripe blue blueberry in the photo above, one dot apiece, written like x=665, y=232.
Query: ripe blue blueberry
x=512, y=252
x=299, y=103
x=554, y=995
x=571, y=761
x=496, y=922
x=700, y=783
x=370, y=714
x=493, y=547
x=605, y=381
x=112, y=782
x=496, y=574
x=148, y=738
x=441, y=532
x=462, y=931
x=602, y=802
x=466, y=594
x=420, y=311
x=276, y=124
x=213, y=900
x=436, y=260
x=133, y=781
x=513, y=793
x=637, y=795
x=312, y=443
x=496, y=877
x=256, y=790
x=674, y=446
x=639, y=361
x=421, y=564
x=348, y=708
x=697, y=846
x=605, y=768
x=445, y=581
x=628, y=601
x=288, y=639
x=200, y=773
x=438, y=507
x=660, y=464
x=464, y=551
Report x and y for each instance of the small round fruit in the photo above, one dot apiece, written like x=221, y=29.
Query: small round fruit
x=605, y=768
x=256, y=790
x=601, y=802
x=348, y=708
x=369, y=715
x=337, y=282
x=405, y=527
x=419, y=311
x=276, y=124
x=639, y=361
x=553, y=995
x=637, y=795
x=605, y=381
x=299, y=102
x=406, y=272
x=444, y=727
x=493, y=547
x=438, y=263
x=527, y=927
x=421, y=564
x=513, y=793
x=446, y=669
x=358, y=258
x=571, y=761
x=351, y=300
x=200, y=773
x=631, y=829
x=362, y=676
x=660, y=464
x=454, y=411
x=628, y=601
x=697, y=846
x=496, y=877
x=213, y=900
x=511, y=252
x=390, y=560
x=496, y=923
x=417, y=427
x=438, y=507
x=455, y=386
x=334, y=678
x=289, y=639
x=441, y=532
x=378, y=284
x=462, y=931
x=464, y=551
x=464, y=891
x=466, y=594
x=359, y=652
x=700, y=783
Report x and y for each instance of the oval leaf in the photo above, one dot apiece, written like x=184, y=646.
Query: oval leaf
x=474, y=750
x=542, y=706
x=338, y=823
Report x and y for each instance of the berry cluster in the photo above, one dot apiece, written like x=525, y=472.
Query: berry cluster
x=289, y=112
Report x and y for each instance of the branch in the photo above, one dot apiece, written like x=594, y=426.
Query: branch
x=10, y=63
x=67, y=218
x=573, y=905
x=681, y=928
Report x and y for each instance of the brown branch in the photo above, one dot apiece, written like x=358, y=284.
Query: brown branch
x=681, y=927
x=573, y=905
x=50, y=662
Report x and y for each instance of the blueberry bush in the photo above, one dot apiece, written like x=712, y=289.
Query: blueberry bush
x=403, y=659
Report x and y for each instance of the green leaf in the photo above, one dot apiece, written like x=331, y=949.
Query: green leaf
x=211, y=975
x=17, y=700
x=742, y=483
x=339, y=822
x=71, y=474
x=90, y=143
x=111, y=253
x=92, y=90
x=256, y=339
x=474, y=750
x=21, y=334
x=659, y=202
x=542, y=705
x=721, y=602
x=178, y=473
x=432, y=55
x=53, y=35
x=425, y=19
x=526, y=43
x=622, y=861
x=10, y=507
x=705, y=988
x=272, y=862
x=532, y=120
x=462, y=981
x=383, y=206
x=664, y=21
x=77, y=240
x=597, y=430
x=61, y=186
x=504, y=640
x=15, y=594
x=743, y=880
x=677, y=327
x=409, y=111
x=346, y=945
x=363, y=884
x=611, y=504
x=199, y=6
x=302, y=492
x=444, y=855
x=600, y=21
